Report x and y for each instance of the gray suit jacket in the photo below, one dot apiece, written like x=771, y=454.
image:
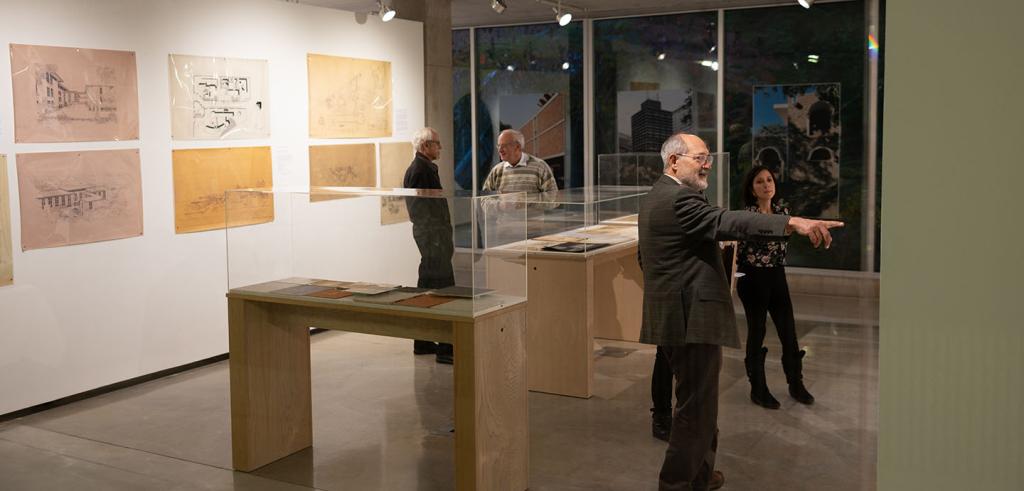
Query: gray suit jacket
x=686, y=298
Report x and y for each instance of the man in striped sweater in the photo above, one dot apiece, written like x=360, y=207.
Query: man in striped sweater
x=518, y=171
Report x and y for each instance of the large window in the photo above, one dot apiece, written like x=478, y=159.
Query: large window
x=654, y=76
x=530, y=78
x=462, y=112
x=793, y=83
x=794, y=101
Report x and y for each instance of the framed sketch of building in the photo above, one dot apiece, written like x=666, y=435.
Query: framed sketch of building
x=218, y=98
x=797, y=134
x=349, y=97
x=79, y=197
x=201, y=176
x=72, y=94
x=342, y=165
x=6, y=250
x=394, y=160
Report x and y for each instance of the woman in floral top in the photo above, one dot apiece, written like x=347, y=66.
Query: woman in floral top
x=763, y=290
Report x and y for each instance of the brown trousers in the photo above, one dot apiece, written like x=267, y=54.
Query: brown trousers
x=690, y=457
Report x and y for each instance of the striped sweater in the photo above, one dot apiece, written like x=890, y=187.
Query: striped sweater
x=532, y=175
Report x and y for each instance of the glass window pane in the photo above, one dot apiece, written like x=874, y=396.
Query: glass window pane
x=794, y=101
x=462, y=123
x=654, y=76
x=530, y=78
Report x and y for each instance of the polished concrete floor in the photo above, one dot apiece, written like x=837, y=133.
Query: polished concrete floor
x=382, y=421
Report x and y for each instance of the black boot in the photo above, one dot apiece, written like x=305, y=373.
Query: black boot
x=661, y=424
x=794, y=367
x=759, y=393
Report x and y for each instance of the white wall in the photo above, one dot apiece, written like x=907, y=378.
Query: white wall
x=85, y=316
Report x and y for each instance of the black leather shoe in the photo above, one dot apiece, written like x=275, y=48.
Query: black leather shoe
x=445, y=354
x=424, y=347
x=717, y=480
x=661, y=425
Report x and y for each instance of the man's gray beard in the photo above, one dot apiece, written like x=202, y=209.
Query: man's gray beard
x=696, y=182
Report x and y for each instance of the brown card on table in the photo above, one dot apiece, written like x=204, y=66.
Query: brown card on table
x=424, y=301
x=330, y=293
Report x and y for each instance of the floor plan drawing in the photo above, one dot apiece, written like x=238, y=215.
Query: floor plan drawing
x=70, y=94
x=218, y=98
x=79, y=197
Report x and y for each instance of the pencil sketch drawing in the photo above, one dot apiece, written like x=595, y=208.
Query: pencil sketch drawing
x=349, y=97
x=78, y=197
x=69, y=94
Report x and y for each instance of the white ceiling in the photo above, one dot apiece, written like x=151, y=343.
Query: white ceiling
x=466, y=13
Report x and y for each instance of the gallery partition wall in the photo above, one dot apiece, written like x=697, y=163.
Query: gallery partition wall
x=790, y=88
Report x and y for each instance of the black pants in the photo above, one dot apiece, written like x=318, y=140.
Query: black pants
x=692, y=446
x=661, y=383
x=764, y=291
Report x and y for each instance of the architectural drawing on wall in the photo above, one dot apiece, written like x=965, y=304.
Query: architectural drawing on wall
x=349, y=97
x=79, y=197
x=70, y=94
x=797, y=134
x=394, y=160
x=218, y=98
x=6, y=249
x=342, y=166
x=201, y=176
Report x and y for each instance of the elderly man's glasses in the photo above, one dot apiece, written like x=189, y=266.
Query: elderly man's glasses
x=700, y=159
x=435, y=142
x=506, y=145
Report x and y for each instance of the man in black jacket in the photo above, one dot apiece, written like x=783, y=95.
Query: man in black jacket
x=431, y=228
x=687, y=308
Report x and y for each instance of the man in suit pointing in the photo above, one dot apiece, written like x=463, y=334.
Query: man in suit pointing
x=687, y=308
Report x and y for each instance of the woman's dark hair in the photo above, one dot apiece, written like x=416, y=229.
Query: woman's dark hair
x=748, y=185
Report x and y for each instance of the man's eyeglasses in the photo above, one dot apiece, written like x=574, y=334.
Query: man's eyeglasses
x=436, y=142
x=505, y=145
x=700, y=159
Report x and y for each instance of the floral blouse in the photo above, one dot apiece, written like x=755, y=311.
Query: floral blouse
x=762, y=254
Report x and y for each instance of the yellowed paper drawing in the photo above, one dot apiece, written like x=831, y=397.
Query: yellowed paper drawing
x=6, y=249
x=218, y=98
x=394, y=160
x=201, y=176
x=342, y=166
x=349, y=97
x=73, y=94
x=79, y=197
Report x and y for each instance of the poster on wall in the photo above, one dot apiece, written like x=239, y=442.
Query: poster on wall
x=202, y=175
x=342, y=166
x=79, y=197
x=349, y=97
x=73, y=94
x=394, y=161
x=796, y=134
x=6, y=249
x=218, y=98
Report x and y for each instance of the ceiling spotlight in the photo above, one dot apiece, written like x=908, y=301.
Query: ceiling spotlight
x=565, y=66
x=812, y=58
x=805, y=3
x=563, y=18
x=510, y=68
x=386, y=13
x=498, y=6
x=661, y=56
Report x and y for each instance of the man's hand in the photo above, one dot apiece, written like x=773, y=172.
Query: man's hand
x=816, y=230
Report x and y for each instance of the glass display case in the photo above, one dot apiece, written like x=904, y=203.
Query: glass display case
x=386, y=249
x=578, y=220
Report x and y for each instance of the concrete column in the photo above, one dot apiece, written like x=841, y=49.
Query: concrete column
x=436, y=16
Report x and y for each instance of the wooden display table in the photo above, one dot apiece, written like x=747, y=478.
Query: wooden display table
x=574, y=298
x=271, y=404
